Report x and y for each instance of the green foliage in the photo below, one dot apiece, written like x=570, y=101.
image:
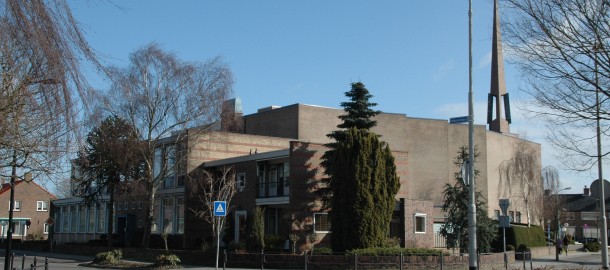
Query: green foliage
x=324, y=251
x=34, y=236
x=532, y=236
x=274, y=242
x=167, y=260
x=236, y=246
x=108, y=257
x=455, y=229
x=358, y=115
x=255, y=229
x=510, y=248
x=592, y=247
x=396, y=251
x=364, y=187
x=393, y=242
x=110, y=157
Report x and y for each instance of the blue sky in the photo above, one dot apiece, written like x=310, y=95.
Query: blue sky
x=411, y=55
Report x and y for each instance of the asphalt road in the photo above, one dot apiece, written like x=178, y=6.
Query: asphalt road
x=574, y=260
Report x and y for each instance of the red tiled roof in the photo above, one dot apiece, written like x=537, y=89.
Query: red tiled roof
x=7, y=186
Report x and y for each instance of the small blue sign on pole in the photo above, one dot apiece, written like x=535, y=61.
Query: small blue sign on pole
x=457, y=120
x=220, y=208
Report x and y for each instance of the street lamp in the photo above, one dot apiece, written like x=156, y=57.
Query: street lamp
x=602, y=197
x=557, y=239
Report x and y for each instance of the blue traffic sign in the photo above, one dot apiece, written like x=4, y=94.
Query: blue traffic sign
x=220, y=208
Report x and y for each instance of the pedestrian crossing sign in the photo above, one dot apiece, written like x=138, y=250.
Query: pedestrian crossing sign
x=220, y=208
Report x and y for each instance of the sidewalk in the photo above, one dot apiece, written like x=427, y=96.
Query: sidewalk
x=78, y=260
x=577, y=259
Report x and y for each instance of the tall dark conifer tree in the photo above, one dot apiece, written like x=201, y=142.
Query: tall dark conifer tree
x=109, y=161
x=362, y=177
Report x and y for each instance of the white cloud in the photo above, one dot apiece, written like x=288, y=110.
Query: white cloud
x=443, y=70
x=485, y=61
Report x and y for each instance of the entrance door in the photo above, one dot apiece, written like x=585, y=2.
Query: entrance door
x=240, y=226
x=121, y=229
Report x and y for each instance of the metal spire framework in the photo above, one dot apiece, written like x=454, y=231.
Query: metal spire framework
x=497, y=121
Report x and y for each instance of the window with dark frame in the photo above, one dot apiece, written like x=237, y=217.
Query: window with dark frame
x=321, y=222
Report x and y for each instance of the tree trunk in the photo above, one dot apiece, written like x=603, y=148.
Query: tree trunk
x=149, y=215
x=110, y=215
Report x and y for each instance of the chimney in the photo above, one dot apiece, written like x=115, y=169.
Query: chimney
x=586, y=191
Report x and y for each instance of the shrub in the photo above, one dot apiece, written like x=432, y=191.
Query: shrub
x=167, y=260
x=393, y=242
x=395, y=251
x=593, y=247
x=34, y=236
x=324, y=251
x=274, y=243
x=510, y=248
x=108, y=257
x=236, y=246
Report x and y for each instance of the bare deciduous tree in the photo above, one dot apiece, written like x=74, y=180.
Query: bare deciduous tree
x=169, y=102
x=208, y=186
x=520, y=179
x=561, y=46
x=41, y=48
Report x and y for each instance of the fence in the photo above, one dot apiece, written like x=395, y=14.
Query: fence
x=31, y=263
x=360, y=262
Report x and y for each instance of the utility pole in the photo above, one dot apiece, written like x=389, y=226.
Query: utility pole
x=472, y=214
x=9, y=232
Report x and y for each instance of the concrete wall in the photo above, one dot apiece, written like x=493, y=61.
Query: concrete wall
x=432, y=146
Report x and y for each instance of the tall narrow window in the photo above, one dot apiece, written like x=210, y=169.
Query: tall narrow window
x=420, y=223
x=180, y=214
x=261, y=179
x=82, y=219
x=73, y=218
x=66, y=218
x=273, y=180
x=241, y=182
x=170, y=161
x=58, y=219
x=101, y=218
x=168, y=215
x=156, y=217
x=286, y=177
x=91, y=226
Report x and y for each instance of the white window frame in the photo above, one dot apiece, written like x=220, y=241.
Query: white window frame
x=315, y=229
x=41, y=206
x=45, y=229
x=241, y=181
x=416, y=217
x=16, y=205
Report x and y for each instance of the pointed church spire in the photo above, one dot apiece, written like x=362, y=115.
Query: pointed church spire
x=498, y=85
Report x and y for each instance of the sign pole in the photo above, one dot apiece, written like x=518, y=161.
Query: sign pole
x=217, y=241
x=220, y=210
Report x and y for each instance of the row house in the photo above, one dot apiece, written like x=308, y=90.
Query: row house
x=30, y=210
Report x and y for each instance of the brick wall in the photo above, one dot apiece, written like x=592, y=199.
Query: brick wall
x=413, y=208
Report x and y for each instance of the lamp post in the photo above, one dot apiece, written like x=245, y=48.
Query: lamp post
x=602, y=197
x=557, y=238
x=472, y=212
